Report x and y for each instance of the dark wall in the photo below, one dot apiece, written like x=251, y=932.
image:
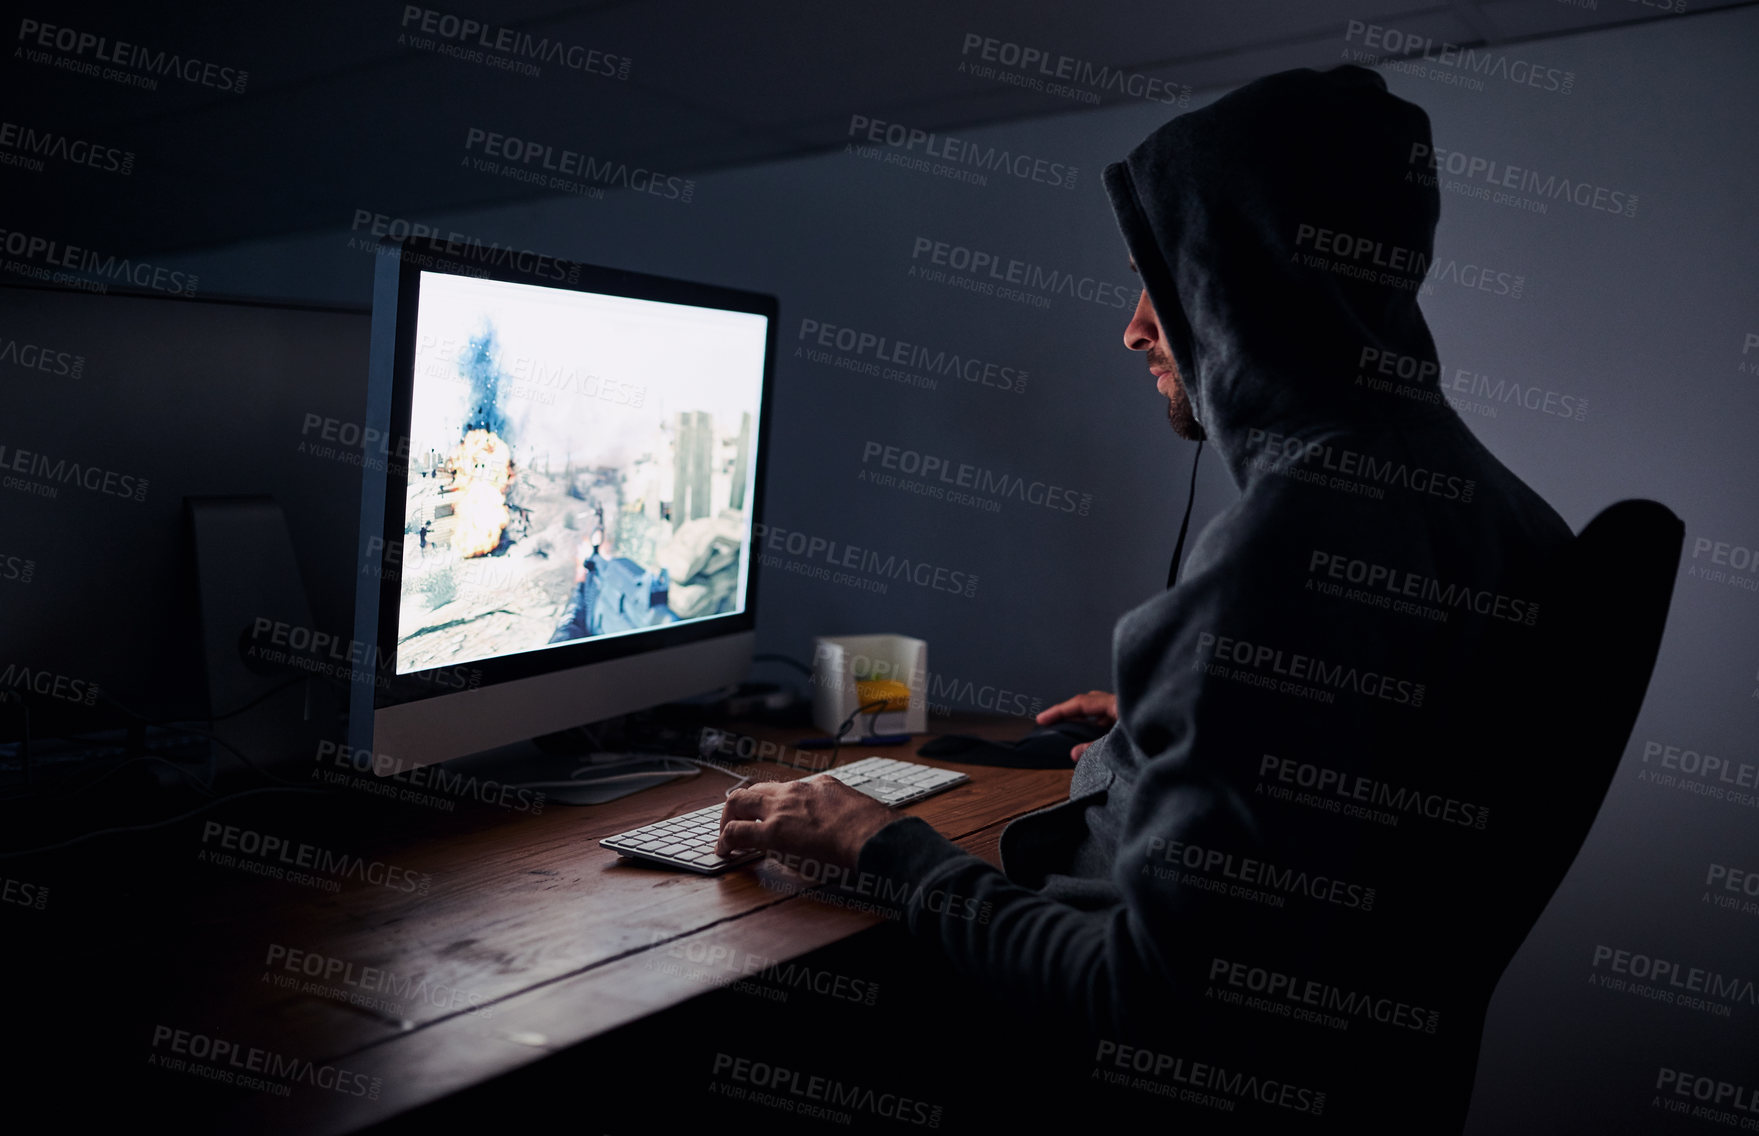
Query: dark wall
x=1626, y=366
x=165, y=399
x=1627, y=335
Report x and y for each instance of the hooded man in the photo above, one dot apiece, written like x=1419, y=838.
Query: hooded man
x=1278, y=876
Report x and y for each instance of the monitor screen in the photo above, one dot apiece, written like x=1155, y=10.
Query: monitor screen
x=580, y=466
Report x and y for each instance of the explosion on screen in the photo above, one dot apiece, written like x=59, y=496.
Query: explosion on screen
x=482, y=469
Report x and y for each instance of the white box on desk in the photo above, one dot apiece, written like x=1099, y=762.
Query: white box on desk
x=839, y=662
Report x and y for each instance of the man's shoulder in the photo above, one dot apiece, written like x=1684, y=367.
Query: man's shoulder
x=1270, y=522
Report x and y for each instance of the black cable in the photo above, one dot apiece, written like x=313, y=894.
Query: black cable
x=253, y=703
x=837, y=742
x=203, y=787
x=265, y=696
x=229, y=748
x=159, y=823
x=1179, y=547
x=24, y=738
x=787, y=659
x=82, y=735
x=212, y=737
x=206, y=788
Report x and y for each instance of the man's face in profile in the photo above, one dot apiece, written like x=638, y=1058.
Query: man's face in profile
x=1144, y=334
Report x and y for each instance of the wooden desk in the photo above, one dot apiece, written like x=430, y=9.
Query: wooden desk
x=530, y=939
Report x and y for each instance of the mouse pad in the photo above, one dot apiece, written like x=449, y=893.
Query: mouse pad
x=1044, y=748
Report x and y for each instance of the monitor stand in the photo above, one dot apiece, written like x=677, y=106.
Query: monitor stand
x=574, y=767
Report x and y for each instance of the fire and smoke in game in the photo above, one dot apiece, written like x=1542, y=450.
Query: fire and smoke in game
x=481, y=468
x=581, y=466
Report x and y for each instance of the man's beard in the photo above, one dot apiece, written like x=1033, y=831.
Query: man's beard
x=1180, y=414
x=1183, y=419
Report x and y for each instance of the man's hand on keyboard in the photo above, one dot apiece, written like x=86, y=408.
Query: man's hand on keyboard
x=816, y=817
x=1094, y=704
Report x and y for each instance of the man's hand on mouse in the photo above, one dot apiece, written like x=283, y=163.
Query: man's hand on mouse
x=817, y=818
x=1094, y=704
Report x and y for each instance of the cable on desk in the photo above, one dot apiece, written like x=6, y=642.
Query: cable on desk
x=252, y=704
x=28, y=789
x=157, y=823
x=576, y=779
x=24, y=737
x=24, y=745
x=206, y=788
x=837, y=742
x=210, y=735
x=787, y=660
x=739, y=779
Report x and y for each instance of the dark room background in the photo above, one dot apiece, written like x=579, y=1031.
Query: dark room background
x=1602, y=350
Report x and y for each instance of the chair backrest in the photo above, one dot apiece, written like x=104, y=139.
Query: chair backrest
x=1603, y=609
x=1603, y=605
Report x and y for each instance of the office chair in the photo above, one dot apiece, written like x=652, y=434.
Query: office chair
x=1604, y=603
x=1600, y=629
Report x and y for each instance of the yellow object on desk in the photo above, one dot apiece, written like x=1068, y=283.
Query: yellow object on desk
x=893, y=693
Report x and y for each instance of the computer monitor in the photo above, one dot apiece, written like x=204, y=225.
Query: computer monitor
x=563, y=532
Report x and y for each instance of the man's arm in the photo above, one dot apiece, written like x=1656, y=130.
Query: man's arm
x=1193, y=728
x=987, y=925
x=1096, y=968
x=1112, y=971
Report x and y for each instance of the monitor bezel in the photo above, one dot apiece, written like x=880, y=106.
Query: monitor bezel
x=393, y=689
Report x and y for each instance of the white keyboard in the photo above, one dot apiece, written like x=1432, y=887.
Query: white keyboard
x=895, y=783
x=688, y=841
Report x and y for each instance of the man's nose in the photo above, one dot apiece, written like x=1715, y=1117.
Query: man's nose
x=1140, y=334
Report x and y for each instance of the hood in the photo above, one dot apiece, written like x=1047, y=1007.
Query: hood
x=1281, y=233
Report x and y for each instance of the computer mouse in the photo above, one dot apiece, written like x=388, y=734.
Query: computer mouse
x=1075, y=729
x=1042, y=747
x=950, y=745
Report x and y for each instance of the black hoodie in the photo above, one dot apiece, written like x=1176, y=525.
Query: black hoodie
x=1284, y=866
